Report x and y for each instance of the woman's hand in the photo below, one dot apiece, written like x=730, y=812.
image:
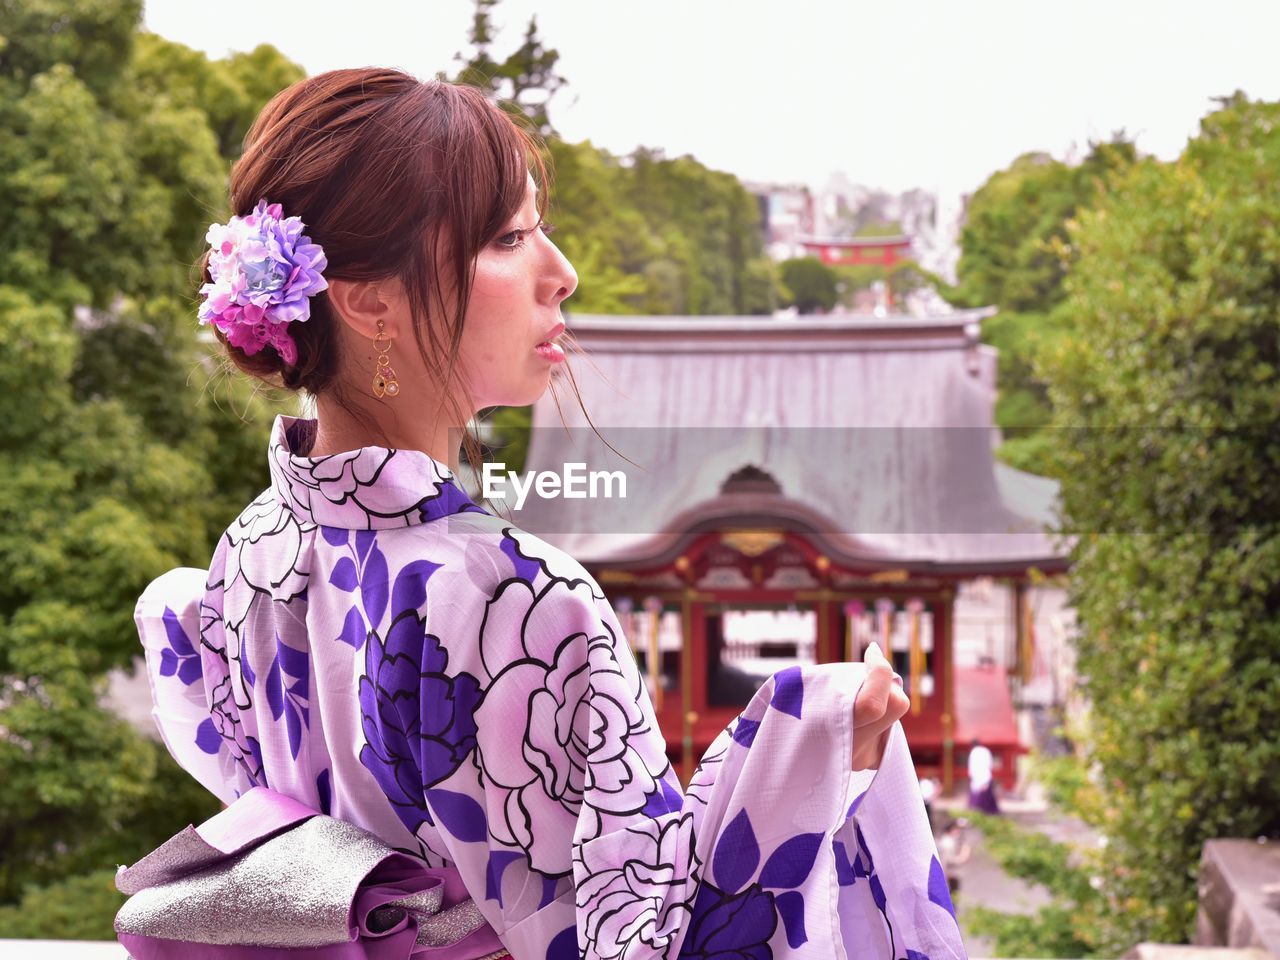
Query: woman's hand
x=880, y=703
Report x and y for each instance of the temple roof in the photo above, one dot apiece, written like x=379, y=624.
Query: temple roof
x=872, y=434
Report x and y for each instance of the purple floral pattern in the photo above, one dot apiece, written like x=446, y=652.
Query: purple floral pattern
x=243, y=749
x=418, y=721
x=373, y=643
x=731, y=926
x=181, y=657
x=286, y=689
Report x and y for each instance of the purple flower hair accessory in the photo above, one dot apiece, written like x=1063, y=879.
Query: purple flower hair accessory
x=264, y=271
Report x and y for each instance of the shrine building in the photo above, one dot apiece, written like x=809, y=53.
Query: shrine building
x=798, y=488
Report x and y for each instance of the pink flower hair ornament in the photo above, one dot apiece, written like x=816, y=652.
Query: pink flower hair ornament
x=264, y=272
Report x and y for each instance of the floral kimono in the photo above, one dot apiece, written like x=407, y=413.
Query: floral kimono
x=372, y=644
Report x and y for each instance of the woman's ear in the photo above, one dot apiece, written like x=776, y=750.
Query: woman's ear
x=361, y=304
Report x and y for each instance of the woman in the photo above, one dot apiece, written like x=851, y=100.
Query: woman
x=375, y=646
x=982, y=787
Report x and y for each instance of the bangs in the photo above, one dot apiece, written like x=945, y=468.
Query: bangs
x=470, y=164
x=490, y=156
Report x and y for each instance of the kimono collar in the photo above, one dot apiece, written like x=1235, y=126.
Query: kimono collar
x=373, y=488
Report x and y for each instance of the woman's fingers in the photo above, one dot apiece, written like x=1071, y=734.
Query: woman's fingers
x=879, y=704
x=873, y=698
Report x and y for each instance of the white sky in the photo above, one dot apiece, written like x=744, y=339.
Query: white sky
x=896, y=94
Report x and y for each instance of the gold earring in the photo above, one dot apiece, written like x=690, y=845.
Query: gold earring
x=384, y=378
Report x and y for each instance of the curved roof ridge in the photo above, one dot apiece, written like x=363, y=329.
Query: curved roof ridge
x=757, y=324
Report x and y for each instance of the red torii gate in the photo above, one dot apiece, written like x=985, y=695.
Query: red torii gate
x=856, y=251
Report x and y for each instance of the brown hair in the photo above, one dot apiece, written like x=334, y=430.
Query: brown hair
x=393, y=177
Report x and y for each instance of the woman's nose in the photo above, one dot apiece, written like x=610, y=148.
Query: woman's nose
x=561, y=278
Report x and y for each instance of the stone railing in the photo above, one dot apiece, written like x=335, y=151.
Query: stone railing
x=1240, y=895
x=61, y=950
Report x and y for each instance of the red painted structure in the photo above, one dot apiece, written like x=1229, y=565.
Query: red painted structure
x=984, y=711
x=977, y=698
x=856, y=251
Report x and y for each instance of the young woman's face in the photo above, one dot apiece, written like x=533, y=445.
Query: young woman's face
x=509, y=348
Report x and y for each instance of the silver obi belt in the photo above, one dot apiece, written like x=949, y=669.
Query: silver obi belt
x=269, y=873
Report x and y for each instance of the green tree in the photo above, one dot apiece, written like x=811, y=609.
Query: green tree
x=878, y=228
x=524, y=82
x=1014, y=255
x=73, y=907
x=902, y=278
x=602, y=236
x=1068, y=926
x=1165, y=388
x=1014, y=252
x=811, y=283
x=122, y=459
x=93, y=38
x=649, y=234
x=707, y=224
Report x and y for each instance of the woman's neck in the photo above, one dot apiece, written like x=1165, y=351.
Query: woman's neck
x=339, y=429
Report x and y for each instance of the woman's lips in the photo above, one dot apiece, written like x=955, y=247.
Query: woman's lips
x=550, y=351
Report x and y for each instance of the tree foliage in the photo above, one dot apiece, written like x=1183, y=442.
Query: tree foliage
x=811, y=284
x=1164, y=389
x=1013, y=245
x=524, y=82
x=1068, y=926
x=1015, y=255
x=121, y=458
x=651, y=234
x=646, y=234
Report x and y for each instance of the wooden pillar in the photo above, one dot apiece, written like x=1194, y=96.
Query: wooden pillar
x=689, y=717
x=1028, y=637
x=826, y=642
x=1019, y=630
x=944, y=644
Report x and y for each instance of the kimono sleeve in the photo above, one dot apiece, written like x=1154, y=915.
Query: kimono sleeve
x=168, y=619
x=591, y=848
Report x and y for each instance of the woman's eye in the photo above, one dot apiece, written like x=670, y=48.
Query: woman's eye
x=516, y=238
